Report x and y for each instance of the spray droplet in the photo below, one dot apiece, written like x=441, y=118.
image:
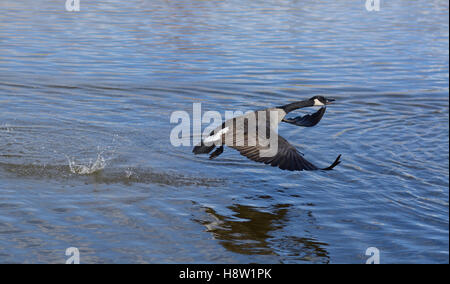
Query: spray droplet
x=89, y=168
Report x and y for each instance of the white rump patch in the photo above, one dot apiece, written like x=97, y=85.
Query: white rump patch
x=216, y=137
x=318, y=103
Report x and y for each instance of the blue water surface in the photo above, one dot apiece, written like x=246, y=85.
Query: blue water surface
x=86, y=160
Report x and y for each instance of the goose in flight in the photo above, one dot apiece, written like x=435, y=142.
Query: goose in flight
x=237, y=133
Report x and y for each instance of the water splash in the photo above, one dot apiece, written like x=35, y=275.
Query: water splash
x=129, y=173
x=87, y=168
x=6, y=127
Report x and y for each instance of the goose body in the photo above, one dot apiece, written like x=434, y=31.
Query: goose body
x=255, y=136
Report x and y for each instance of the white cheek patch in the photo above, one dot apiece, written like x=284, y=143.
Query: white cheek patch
x=217, y=136
x=318, y=103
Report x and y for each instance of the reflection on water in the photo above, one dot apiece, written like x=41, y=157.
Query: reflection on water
x=249, y=231
x=86, y=160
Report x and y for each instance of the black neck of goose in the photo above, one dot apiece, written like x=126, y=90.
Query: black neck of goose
x=293, y=106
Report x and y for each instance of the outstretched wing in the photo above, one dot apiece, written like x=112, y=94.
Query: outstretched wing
x=307, y=120
x=286, y=158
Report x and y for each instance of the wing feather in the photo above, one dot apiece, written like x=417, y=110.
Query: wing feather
x=308, y=120
x=286, y=158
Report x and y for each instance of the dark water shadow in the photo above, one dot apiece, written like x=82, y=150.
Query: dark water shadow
x=257, y=231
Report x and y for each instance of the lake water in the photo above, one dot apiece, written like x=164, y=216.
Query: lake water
x=86, y=160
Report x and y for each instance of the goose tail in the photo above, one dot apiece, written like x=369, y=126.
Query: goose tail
x=334, y=164
x=203, y=149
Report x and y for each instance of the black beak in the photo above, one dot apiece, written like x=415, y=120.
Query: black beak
x=329, y=101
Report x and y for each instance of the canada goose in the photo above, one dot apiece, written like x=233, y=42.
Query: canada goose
x=286, y=157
